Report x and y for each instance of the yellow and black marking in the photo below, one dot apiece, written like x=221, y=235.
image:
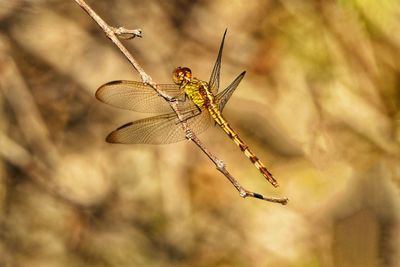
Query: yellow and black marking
x=199, y=92
x=243, y=147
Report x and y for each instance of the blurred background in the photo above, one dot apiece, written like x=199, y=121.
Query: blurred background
x=319, y=105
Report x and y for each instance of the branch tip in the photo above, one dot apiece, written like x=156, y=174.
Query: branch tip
x=127, y=34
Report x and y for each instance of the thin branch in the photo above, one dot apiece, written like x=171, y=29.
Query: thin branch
x=113, y=33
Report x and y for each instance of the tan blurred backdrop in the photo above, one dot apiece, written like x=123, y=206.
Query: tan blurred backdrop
x=319, y=105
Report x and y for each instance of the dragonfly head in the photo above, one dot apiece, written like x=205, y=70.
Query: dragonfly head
x=181, y=75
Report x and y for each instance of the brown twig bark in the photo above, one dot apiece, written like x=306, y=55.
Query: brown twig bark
x=113, y=33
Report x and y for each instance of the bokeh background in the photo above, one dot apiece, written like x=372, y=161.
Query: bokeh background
x=319, y=105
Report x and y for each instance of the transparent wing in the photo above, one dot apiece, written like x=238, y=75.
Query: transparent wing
x=223, y=97
x=137, y=96
x=214, y=79
x=162, y=129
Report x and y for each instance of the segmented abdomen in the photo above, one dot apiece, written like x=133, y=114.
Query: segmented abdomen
x=220, y=120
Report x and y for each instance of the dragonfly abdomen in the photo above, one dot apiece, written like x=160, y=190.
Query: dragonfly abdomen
x=243, y=147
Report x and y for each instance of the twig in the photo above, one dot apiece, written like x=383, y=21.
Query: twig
x=113, y=33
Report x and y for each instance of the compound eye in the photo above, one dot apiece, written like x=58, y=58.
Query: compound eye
x=181, y=74
x=187, y=73
x=177, y=75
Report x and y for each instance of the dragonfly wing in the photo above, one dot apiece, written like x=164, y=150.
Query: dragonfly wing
x=214, y=79
x=162, y=129
x=136, y=96
x=223, y=97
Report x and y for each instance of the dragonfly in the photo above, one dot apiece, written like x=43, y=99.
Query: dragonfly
x=201, y=106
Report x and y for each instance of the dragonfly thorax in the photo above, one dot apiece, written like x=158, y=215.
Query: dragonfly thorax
x=181, y=75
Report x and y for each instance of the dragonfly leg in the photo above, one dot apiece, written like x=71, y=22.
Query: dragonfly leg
x=178, y=96
x=190, y=115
